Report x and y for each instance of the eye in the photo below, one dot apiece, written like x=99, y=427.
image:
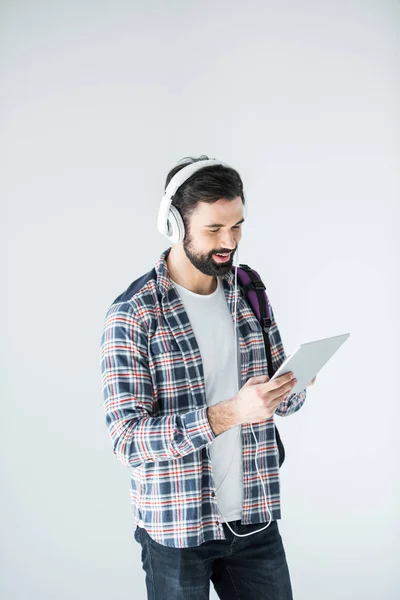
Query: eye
x=216, y=230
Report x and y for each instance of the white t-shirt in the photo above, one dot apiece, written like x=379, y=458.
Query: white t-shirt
x=213, y=327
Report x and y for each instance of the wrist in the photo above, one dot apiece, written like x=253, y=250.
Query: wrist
x=235, y=410
x=223, y=416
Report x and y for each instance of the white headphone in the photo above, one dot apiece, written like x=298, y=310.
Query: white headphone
x=170, y=222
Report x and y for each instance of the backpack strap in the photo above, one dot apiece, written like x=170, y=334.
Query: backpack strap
x=254, y=290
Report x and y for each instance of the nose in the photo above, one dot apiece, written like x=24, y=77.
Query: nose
x=229, y=241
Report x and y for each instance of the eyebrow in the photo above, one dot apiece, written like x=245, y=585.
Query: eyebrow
x=221, y=225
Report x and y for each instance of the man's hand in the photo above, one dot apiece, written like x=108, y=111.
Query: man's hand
x=256, y=401
x=311, y=382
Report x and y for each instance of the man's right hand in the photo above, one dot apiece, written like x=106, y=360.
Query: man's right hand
x=256, y=401
x=259, y=398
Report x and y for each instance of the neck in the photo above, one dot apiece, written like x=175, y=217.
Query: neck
x=185, y=274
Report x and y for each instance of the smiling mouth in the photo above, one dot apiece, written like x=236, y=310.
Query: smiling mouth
x=222, y=257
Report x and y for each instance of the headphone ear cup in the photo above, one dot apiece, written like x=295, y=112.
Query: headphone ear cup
x=175, y=221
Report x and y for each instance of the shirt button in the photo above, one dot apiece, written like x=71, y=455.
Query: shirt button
x=213, y=494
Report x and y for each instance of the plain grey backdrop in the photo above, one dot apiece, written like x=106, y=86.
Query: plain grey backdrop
x=99, y=101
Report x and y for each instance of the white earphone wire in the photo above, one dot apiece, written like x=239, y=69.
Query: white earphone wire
x=255, y=439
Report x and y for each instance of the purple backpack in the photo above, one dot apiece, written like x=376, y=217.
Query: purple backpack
x=254, y=290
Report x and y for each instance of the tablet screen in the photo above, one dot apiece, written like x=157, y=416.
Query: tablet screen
x=309, y=358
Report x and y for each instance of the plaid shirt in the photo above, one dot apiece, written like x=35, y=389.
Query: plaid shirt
x=155, y=411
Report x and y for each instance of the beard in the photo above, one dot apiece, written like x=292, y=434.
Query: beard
x=205, y=262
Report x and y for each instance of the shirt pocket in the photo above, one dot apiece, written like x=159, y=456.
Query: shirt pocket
x=254, y=346
x=169, y=376
x=254, y=324
x=161, y=344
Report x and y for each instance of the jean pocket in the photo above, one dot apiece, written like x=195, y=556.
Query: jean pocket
x=137, y=534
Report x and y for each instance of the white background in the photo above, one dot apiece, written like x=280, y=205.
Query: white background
x=99, y=101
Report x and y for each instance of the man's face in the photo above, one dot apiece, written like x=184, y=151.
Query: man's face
x=214, y=229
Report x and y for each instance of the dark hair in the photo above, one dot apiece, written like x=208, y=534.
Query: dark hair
x=207, y=185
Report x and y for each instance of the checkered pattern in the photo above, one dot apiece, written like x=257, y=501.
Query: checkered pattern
x=155, y=411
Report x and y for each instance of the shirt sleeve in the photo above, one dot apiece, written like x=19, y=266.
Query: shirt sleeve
x=136, y=435
x=294, y=402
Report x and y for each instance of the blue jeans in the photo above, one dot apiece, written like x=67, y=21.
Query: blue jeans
x=249, y=568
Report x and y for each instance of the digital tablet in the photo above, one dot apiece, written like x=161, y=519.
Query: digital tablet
x=308, y=359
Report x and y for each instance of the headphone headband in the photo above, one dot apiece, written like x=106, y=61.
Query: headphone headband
x=183, y=174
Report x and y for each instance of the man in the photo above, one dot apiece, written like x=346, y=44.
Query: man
x=192, y=415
